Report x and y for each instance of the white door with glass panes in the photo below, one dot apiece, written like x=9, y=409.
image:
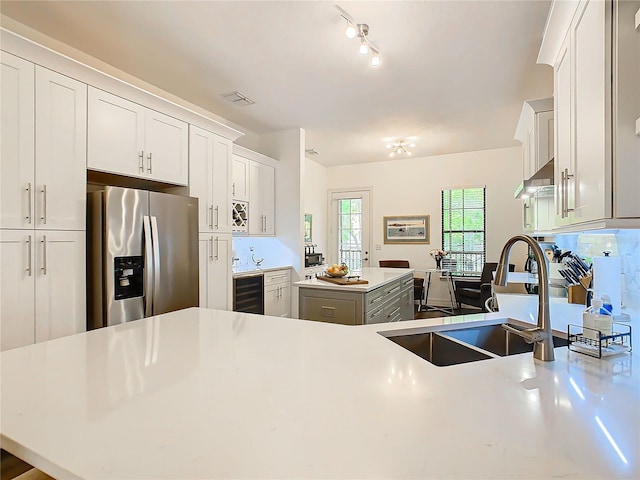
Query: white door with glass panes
x=349, y=228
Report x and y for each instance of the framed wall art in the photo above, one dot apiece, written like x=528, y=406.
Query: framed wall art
x=406, y=229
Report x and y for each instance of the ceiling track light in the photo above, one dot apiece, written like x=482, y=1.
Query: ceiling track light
x=360, y=30
x=400, y=147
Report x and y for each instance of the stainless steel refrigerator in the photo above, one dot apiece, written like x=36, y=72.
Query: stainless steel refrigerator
x=142, y=255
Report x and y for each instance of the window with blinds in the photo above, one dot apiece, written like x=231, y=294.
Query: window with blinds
x=463, y=230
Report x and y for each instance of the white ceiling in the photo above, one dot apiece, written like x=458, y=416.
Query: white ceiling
x=453, y=76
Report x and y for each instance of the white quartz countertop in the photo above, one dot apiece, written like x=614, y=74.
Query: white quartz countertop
x=259, y=271
x=374, y=275
x=213, y=394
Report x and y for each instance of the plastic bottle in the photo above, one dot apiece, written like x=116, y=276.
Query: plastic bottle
x=606, y=304
x=596, y=319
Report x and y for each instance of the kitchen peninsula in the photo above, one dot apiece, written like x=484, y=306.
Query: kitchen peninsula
x=204, y=393
x=386, y=297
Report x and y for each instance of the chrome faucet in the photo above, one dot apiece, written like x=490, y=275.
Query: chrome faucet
x=541, y=335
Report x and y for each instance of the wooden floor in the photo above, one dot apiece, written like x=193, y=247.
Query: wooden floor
x=11, y=467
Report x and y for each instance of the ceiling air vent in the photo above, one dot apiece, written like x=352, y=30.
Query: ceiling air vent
x=237, y=98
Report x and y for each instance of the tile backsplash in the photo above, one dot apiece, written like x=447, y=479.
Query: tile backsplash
x=622, y=243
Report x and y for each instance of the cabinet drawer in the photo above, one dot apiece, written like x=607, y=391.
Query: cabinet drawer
x=390, y=311
x=277, y=276
x=330, y=310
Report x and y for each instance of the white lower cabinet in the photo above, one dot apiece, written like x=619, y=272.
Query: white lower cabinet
x=43, y=285
x=277, y=293
x=215, y=271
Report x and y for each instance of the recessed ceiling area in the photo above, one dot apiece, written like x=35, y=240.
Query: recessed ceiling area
x=453, y=75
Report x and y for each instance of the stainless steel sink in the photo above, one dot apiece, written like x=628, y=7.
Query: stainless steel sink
x=452, y=347
x=440, y=350
x=495, y=339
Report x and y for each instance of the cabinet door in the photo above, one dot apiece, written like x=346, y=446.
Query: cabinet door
x=221, y=181
x=261, y=199
x=240, y=178
x=60, y=284
x=277, y=300
x=544, y=139
x=205, y=271
x=115, y=134
x=563, y=162
x=406, y=304
x=221, y=293
x=17, y=277
x=61, y=136
x=17, y=145
x=267, y=198
x=201, y=175
x=592, y=175
x=215, y=271
x=166, y=148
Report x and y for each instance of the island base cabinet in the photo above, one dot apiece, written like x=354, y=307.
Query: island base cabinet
x=43, y=285
x=332, y=307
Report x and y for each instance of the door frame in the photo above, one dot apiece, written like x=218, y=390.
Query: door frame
x=331, y=221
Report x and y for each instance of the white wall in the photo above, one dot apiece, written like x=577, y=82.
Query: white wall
x=413, y=187
x=314, y=201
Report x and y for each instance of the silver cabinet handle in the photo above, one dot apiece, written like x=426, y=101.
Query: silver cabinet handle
x=210, y=216
x=217, y=224
x=150, y=167
x=29, y=255
x=233, y=188
x=394, y=312
x=211, y=249
x=29, y=202
x=217, y=248
x=44, y=205
x=44, y=254
x=524, y=218
x=141, y=157
x=567, y=176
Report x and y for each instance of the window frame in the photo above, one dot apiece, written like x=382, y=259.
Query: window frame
x=463, y=257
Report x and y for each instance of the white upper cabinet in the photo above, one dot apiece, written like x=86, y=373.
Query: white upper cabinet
x=17, y=129
x=61, y=151
x=261, y=199
x=535, y=132
x=128, y=139
x=43, y=148
x=253, y=188
x=594, y=50
x=240, y=180
x=209, y=178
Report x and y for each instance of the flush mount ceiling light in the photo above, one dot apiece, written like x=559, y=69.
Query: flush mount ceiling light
x=237, y=98
x=400, y=147
x=360, y=30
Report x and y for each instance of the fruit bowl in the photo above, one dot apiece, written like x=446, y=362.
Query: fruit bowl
x=339, y=274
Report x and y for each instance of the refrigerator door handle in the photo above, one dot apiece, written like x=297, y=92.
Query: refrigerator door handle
x=156, y=255
x=148, y=267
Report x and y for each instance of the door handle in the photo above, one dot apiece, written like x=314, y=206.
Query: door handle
x=44, y=204
x=156, y=257
x=148, y=266
x=210, y=242
x=44, y=254
x=29, y=202
x=217, y=248
x=29, y=255
x=233, y=188
x=150, y=167
x=210, y=216
x=141, y=158
x=217, y=224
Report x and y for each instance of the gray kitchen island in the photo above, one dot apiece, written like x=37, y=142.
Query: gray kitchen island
x=387, y=297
